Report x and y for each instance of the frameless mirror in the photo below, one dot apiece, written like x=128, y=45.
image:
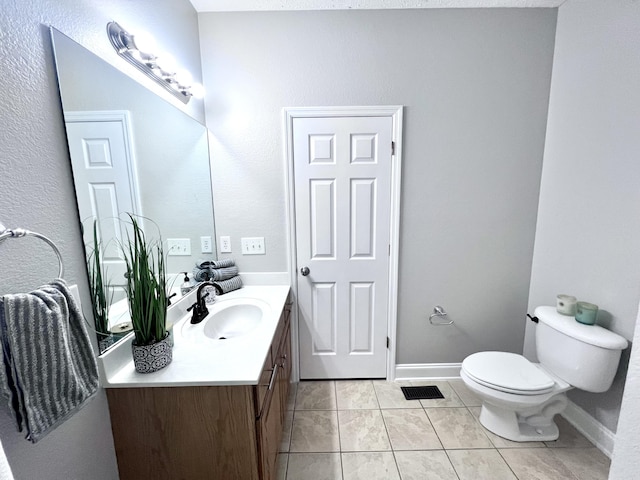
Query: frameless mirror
x=132, y=151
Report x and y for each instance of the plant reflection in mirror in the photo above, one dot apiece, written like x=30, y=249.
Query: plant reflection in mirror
x=99, y=288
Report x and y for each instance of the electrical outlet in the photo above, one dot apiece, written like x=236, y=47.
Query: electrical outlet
x=205, y=245
x=178, y=246
x=225, y=244
x=252, y=245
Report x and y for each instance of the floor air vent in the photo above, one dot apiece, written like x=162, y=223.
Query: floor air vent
x=430, y=392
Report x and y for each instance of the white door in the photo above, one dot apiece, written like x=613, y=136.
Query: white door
x=105, y=183
x=342, y=169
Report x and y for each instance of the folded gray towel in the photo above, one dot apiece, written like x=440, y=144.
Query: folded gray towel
x=218, y=274
x=227, y=262
x=49, y=370
x=225, y=286
x=201, y=274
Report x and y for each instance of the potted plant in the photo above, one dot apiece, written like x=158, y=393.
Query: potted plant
x=147, y=297
x=100, y=290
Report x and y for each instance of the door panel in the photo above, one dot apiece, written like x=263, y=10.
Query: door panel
x=342, y=169
x=323, y=308
x=361, y=317
x=323, y=211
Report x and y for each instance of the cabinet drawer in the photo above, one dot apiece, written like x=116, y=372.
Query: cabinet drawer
x=278, y=338
x=269, y=429
x=263, y=385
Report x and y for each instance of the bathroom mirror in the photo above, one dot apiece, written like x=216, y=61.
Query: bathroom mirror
x=132, y=151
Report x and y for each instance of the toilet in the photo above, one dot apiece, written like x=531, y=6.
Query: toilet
x=520, y=398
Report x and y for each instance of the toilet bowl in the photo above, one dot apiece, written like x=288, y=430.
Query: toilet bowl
x=517, y=407
x=520, y=398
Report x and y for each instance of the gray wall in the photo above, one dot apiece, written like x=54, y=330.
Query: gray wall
x=475, y=86
x=36, y=190
x=588, y=232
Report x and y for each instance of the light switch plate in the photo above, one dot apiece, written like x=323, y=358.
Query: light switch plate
x=225, y=244
x=205, y=245
x=178, y=246
x=252, y=245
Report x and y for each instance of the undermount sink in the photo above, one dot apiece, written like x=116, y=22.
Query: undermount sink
x=228, y=319
x=233, y=321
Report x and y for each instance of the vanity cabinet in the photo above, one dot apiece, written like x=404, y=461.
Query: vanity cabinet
x=272, y=412
x=205, y=432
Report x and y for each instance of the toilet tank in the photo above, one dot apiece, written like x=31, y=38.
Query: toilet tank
x=585, y=356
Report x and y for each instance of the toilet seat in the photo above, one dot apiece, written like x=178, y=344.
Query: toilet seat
x=507, y=372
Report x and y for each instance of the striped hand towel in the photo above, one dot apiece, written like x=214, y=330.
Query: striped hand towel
x=218, y=274
x=227, y=262
x=225, y=286
x=49, y=370
x=201, y=274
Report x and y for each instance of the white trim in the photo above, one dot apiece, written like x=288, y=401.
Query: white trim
x=124, y=117
x=289, y=180
x=394, y=239
x=598, y=434
x=265, y=278
x=291, y=5
x=427, y=371
x=396, y=113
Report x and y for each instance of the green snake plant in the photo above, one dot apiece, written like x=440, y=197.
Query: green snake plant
x=146, y=285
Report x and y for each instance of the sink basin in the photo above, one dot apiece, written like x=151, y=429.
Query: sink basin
x=228, y=319
x=233, y=321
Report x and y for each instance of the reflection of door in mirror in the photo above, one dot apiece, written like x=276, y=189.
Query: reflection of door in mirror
x=105, y=180
x=168, y=179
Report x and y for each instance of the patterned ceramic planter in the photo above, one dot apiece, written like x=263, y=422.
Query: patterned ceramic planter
x=154, y=357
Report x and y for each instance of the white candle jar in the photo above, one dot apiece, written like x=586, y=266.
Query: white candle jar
x=566, y=304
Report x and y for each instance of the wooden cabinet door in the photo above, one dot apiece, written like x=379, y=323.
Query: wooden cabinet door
x=270, y=428
x=285, y=363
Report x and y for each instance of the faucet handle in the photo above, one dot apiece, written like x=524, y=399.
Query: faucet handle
x=200, y=311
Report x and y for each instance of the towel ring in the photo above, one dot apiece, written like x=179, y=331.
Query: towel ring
x=438, y=312
x=21, y=232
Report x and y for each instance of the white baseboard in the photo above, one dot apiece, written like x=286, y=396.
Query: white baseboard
x=427, y=371
x=598, y=434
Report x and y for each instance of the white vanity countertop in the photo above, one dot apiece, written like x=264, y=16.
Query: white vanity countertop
x=235, y=361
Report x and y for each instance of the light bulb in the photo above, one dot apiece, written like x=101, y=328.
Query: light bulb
x=197, y=90
x=145, y=43
x=167, y=63
x=184, y=77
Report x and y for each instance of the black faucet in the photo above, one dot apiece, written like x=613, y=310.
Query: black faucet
x=199, y=308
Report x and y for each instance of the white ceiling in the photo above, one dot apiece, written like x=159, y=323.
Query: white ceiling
x=257, y=5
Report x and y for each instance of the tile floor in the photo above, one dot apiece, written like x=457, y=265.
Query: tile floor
x=350, y=430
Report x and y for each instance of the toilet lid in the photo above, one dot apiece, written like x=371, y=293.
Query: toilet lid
x=508, y=372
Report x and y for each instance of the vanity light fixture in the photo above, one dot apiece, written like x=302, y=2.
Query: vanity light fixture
x=136, y=50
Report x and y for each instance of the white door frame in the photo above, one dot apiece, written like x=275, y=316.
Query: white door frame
x=395, y=112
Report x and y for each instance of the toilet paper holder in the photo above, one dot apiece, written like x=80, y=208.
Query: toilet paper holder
x=439, y=312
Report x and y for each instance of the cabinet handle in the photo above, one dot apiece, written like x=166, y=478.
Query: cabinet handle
x=273, y=375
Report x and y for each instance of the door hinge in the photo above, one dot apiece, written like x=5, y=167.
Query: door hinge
x=388, y=342
x=389, y=249
x=393, y=148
